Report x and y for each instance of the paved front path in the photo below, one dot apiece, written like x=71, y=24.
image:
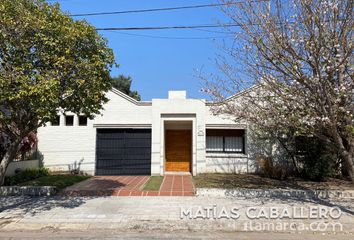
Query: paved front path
x=172, y=185
x=107, y=186
x=177, y=185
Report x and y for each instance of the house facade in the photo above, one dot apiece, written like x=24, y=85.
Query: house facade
x=130, y=137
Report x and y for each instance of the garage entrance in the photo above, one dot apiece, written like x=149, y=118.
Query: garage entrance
x=123, y=152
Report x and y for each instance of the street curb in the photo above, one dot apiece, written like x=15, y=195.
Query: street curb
x=176, y=225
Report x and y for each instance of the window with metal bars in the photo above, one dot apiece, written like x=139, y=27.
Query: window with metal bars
x=225, y=140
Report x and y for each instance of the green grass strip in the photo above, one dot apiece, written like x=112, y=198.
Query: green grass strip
x=153, y=184
x=59, y=181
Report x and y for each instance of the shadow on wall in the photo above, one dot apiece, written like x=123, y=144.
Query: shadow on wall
x=234, y=165
x=259, y=146
x=40, y=157
x=75, y=168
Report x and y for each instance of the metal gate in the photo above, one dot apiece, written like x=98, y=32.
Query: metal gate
x=123, y=152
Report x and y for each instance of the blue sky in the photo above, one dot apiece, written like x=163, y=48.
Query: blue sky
x=157, y=65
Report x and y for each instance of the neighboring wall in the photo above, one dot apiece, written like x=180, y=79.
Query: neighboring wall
x=65, y=147
x=21, y=165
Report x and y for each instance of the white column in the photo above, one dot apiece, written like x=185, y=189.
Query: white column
x=61, y=120
x=76, y=120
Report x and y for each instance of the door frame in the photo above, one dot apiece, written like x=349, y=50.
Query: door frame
x=180, y=118
x=190, y=148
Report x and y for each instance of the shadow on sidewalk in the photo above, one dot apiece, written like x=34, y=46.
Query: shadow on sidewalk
x=35, y=205
x=345, y=205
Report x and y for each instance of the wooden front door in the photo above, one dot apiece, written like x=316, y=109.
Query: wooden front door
x=178, y=150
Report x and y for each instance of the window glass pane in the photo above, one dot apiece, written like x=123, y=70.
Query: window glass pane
x=214, y=143
x=69, y=120
x=56, y=121
x=233, y=144
x=82, y=121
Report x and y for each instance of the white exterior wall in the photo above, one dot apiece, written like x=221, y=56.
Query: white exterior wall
x=227, y=162
x=178, y=110
x=64, y=146
x=119, y=110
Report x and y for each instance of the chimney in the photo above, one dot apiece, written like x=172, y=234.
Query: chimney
x=177, y=94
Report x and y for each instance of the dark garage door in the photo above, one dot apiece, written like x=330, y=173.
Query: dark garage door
x=123, y=152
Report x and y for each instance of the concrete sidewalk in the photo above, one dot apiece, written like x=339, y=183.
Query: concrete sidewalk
x=150, y=213
x=155, y=235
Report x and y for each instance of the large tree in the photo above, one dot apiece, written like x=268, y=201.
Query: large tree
x=48, y=61
x=299, y=55
x=123, y=83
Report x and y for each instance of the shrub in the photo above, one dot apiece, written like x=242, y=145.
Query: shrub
x=317, y=160
x=26, y=175
x=319, y=168
x=268, y=169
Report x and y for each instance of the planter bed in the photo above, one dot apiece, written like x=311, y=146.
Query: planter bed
x=42, y=186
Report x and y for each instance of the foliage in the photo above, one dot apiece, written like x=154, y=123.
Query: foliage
x=26, y=175
x=123, y=84
x=27, y=144
x=48, y=62
x=316, y=160
x=319, y=168
x=298, y=54
x=268, y=168
x=59, y=181
x=297, y=156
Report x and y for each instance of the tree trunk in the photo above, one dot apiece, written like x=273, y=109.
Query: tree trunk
x=5, y=161
x=345, y=152
x=348, y=158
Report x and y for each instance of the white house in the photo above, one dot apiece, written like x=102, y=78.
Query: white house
x=132, y=137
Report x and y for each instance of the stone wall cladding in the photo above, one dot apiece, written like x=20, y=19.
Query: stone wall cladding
x=276, y=193
x=28, y=191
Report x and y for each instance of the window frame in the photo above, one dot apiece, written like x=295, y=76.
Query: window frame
x=66, y=123
x=82, y=125
x=243, y=151
x=216, y=151
x=57, y=124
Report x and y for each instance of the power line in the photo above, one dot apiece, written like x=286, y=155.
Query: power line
x=161, y=9
x=167, y=27
x=167, y=37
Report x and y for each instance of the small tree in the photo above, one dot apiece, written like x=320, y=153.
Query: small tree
x=123, y=83
x=299, y=56
x=48, y=61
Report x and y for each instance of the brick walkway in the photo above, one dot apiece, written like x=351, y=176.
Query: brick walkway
x=172, y=185
x=176, y=185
